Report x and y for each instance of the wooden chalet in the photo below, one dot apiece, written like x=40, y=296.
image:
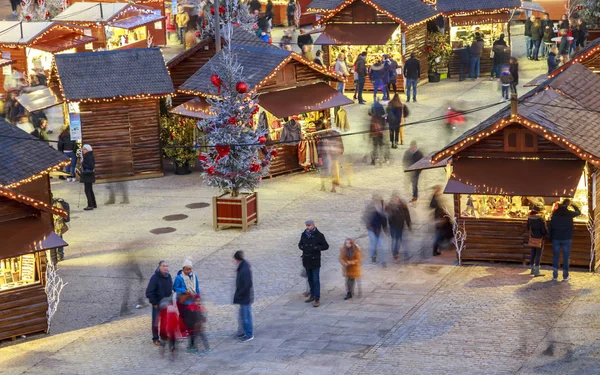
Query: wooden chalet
x=395, y=28
x=280, y=12
x=30, y=46
x=287, y=85
x=114, y=97
x=26, y=229
x=534, y=153
x=116, y=25
x=184, y=65
x=589, y=56
x=490, y=18
x=159, y=32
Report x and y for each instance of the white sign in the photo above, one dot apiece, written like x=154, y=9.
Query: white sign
x=158, y=25
x=7, y=70
x=87, y=32
x=75, y=126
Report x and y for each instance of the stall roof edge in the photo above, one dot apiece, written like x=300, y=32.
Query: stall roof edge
x=593, y=46
x=450, y=6
x=408, y=11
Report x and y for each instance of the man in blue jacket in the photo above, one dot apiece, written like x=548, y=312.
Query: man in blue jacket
x=244, y=296
x=159, y=287
x=560, y=233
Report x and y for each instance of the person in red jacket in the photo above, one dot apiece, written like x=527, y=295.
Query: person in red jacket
x=168, y=325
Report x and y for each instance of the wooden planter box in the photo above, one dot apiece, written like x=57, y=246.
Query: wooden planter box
x=237, y=212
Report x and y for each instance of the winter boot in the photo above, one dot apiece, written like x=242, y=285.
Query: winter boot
x=536, y=272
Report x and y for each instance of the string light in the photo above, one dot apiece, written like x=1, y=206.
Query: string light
x=478, y=12
x=37, y=176
x=32, y=202
x=579, y=59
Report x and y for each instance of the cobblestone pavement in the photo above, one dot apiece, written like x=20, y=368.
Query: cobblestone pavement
x=422, y=316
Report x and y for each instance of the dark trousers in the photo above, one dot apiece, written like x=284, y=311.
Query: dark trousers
x=394, y=133
x=155, y=313
x=350, y=285
x=580, y=42
x=313, y=281
x=566, y=248
x=536, y=255
x=291, y=21
x=496, y=70
x=464, y=70
x=89, y=194
x=361, y=87
x=536, y=48
x=415, y=184
x=396, y=236
x=377, y=148
x=505, y=91
x=392, y=86
x=14, y=4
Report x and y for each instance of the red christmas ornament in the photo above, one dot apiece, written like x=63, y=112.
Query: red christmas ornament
x=215, y=80
x=222, y=150
x=41, y=2
x=172, y=136
x=197, y=34
x=236, y=24
x=255, y=110
x=182, y=121
x=262, y=139
x=255, y=168
x=232, y=120
x=273, y=153
x=221, y=10
x=210, y=170
x=47, y=14
x=202, y=157
x=22, y=3
x=28, y=17
x=241, y=87
x=212, y=11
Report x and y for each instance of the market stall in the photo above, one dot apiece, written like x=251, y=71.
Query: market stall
x=280, y=12
x=489, y=19
x=116, y=25
x=294, y=98
x=534, y=153
x=588, y=56
x=30, y=47
x=376, y=26
x=114, y=98
x=26, y=229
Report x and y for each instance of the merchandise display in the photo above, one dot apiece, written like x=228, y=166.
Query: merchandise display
x=18, y=271
x=374, y=53
x=118, y=37
x=464, y=35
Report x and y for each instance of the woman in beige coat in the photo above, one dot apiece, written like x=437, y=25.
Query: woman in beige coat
x=350, y=260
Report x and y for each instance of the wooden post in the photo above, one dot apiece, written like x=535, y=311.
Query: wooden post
x=244, y=213
x=214, y=202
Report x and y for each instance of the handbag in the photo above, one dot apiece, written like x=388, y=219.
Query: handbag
x=535, y=242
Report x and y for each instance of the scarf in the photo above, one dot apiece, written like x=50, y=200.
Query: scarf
x=190, y=282
x=309, y=233
x=349, y=252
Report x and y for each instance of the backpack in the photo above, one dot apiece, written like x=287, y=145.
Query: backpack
x=65, y=207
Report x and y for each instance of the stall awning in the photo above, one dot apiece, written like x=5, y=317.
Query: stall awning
x=63, y=43
x=425, y=163
x=355, y=34
x=137, y=21
x=542, y=178
x=479, y=20
x=533, y=6
x=26, y=236
x=196, y=108
x=302, y=99
x=39, y=99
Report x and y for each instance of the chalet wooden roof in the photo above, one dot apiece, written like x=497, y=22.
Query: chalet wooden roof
x=258, y=63
x=240, y=36
x=407, y=12
x=22, y=156
x=91, y=12
x=126, y=73
x=37, y=204
x=476, y=6
x=46, y=36
x=590, y=52
x=564, y=109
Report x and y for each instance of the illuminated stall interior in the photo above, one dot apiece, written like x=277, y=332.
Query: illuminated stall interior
x=293, y=95
x=536, y=153
x=26, y=230
x=116, y=25
x=465, y=18
x=31, y=46
x=376, y=26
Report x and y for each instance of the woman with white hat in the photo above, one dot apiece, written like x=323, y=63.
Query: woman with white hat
x=87, y=176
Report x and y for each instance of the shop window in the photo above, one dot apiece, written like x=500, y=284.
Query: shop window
x=18, y=271
x=520, y=140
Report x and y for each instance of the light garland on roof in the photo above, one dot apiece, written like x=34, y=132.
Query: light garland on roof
x=36, y=176
x=477, y=12
x=578, y=59
x=74, y=29
x=32, y=202
x=479, y=22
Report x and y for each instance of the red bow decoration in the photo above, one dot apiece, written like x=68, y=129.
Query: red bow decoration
x=255, y=168
x=273, y=153
x=222, y=150
x=202, y=157
x=221, y=10
x=232, y=120
x=210, y=170
x=215, y=80
x=262, y=139
x=255, y=110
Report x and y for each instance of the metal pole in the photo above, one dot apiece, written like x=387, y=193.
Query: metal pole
x=21, y=26
x=217, y=26
x=101, y=12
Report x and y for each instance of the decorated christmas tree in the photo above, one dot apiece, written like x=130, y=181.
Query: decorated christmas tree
x=41, y=10
x=232, y=161
x=231, y=12
x=589, y=10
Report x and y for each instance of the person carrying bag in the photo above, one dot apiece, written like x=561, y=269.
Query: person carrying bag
x=536, y=227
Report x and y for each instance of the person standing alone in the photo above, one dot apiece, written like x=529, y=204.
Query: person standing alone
x=244, y=296
x=411, y=156
x=87, y=176
x=537, y=231
x=361, y=72
x=412, y=72
x=560, y=234
x=160, y=286
x=350, y=261
x=312, y=242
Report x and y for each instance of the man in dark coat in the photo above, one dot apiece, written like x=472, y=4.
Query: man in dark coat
x=560, y=233
x=528, y=39
x=465, y=59
x=412, y=72
x=398, y=218
x=552, y=59
x=360, y=66
x=87, y=176
x=160, y=286
x=411, y=156
x=312, y=242
x=244, y=296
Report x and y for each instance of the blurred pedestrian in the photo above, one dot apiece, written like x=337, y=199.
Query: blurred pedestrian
x=168, y=323
x=60, y=224
x=398, y=218
x=25, y=125
x=465, y=60
x=574, y=30
x=582, y=34
x=563, y=46
x=342, y=70
x=41, y=132
x=377, y=223
x=547, y=42
x=376, y=75
x=396, y=113
x=499, y=49
x=244, y=296
x=332, y=149
x=560, y=232
x=513, y=68
x=392, y=75
x=319, y=58
x=312, y=242
x=443, y=226
x=305, y=40
x=536, y=226
x=181, y=20
x=186, y=286
x=290, y=11
x=69, y=148
x=528, y=40
x=552, y=59
x=160, y=286
x=350, y=258
x=377, y=114
x=412, y=72
x=411, y=156
x=87, y=176
x=286, y=40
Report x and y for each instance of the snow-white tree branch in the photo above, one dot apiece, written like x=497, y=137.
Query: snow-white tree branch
x=54, y=286
x=459, y=234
